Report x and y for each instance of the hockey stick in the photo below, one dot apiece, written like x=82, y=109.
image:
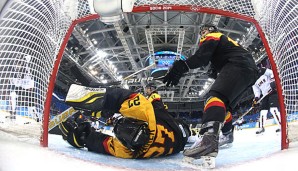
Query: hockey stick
x=244, y=114
x=56, y=120
x=128, y=79
x=58, y=98
x=144, y=69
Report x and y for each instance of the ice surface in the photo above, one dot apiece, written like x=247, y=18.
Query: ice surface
x=249, y=152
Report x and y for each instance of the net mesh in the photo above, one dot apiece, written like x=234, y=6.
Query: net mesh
x=31, y=33
x=279, y=22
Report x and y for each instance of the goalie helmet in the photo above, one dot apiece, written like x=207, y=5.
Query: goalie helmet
x=210, y=27
x=132, y=133
x=151, y=85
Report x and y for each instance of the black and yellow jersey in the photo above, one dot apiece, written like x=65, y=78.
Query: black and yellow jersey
x=166, y=136
x=155, y=99
x=220, y=50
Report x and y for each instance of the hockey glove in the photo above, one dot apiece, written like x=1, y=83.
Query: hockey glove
x=175, y=73
x=75, y=134
x=273, y=86
x=255, y=102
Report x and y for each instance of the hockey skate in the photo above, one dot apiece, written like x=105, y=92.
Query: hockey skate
x=261, y=130
x=226, y=139
x=193, y=140
x=206, y=148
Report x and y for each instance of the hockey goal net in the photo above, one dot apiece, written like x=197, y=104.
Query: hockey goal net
x=34, y=34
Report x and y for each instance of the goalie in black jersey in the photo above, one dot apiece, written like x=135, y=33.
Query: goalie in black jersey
x=236, y=70
x=141, y=130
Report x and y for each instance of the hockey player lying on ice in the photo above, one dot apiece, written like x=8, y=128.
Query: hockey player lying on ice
x=143, y=130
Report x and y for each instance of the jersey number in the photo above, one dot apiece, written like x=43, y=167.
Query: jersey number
x=134, y=102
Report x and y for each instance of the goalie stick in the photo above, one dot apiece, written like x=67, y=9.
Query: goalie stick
x=128, y=79
x=244, y=114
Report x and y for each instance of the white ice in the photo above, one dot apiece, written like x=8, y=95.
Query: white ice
x=249, y=152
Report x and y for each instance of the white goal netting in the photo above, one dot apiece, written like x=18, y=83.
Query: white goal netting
x=32, y=33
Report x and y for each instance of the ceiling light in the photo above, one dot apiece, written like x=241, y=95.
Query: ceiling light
x=201, y=92
x=125, y=86
x=101, y=54
x=93, y=72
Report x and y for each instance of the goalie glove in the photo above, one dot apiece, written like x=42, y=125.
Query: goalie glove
x=75, y=134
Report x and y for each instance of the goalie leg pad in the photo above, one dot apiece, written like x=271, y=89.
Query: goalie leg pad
x=86, y=98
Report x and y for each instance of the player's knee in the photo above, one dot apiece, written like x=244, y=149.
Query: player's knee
x=218, y=95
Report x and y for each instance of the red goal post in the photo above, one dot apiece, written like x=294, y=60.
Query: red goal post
x=42, y=30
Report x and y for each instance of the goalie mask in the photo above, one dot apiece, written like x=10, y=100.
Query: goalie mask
x=208, y=27
x=132, y=133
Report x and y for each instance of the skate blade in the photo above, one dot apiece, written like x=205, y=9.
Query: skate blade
x=205, y=162
x=225, y=146
x=259, y=134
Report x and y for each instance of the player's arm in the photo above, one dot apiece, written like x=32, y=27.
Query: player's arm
x=256, y=91
x=270, y=75
x=205, y=52
x=154, y=97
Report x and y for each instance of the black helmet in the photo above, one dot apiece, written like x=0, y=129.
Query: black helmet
x=210, y=27
x=151, y=85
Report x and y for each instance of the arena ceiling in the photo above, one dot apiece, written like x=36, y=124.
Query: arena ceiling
x=100, y=53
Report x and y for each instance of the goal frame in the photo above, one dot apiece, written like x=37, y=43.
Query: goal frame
x=185, y=8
